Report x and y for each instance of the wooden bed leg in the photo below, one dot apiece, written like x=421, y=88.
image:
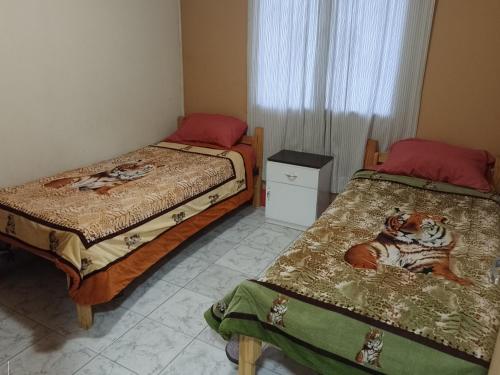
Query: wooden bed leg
x=250, y=350
x=84, y=312
x=84, y=315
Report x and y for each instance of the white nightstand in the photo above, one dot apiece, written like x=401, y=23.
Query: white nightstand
x=297, y=188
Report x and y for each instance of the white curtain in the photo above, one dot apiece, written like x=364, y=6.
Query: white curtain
x=326, y=75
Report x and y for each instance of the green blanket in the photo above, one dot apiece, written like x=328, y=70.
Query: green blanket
x=393, y=278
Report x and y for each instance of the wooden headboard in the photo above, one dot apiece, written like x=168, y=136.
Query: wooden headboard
x=373, y=157
x=257, y=143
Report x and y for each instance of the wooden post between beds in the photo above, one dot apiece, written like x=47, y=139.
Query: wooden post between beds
x=373, y=156
x=258, y=146
x=250, y=350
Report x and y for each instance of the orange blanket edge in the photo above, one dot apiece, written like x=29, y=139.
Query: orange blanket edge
x=104, y=286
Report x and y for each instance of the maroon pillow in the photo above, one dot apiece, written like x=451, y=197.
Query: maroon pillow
x=439, y=161
x=218, y=130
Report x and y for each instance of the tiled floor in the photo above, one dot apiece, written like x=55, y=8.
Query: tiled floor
x=156, y=326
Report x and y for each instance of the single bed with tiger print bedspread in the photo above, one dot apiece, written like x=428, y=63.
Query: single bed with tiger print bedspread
x=393, y=278
x=95, y=216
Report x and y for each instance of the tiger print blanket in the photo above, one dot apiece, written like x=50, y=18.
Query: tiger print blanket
x=393, y=278
x=94, y=216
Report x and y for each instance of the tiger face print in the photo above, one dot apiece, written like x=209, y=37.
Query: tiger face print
x=179, y=217
x=370, y=352
x=103, y=182
x=418, y=228
x=417, y=242
x=53, y=242
x=10, y=227
x=276, y=315
x=133, y=241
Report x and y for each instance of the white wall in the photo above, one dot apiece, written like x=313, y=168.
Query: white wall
x=84, y=80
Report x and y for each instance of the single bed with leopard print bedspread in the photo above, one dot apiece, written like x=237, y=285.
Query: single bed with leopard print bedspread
x=94, y=216
x=393, y=278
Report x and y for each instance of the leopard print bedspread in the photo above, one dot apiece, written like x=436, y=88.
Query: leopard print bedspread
x=462, y=317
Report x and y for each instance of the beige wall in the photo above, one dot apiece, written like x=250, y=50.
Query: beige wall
x=81, y=81
x=461, y=93
x=214, y=44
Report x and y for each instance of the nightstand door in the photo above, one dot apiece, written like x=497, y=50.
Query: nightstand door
x=291, y=203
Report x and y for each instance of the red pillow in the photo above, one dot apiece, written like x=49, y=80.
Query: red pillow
x=218, y=130
x=439, y=161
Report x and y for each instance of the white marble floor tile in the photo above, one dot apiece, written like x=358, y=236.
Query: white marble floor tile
x=147, y=348
x=209, y=336
x=201, y=359
x=58, y=312
x=184, y=312
x=209, y=248
x=246, y=259
x=235, y=230
x=103, y=366
x=251, y=215
x=271, y=237
x=108, y=326
x=265, y=371
x=146, y=297
x=181, y=270
x=53, y=308
x=294, y=233
x=216, y=281
x=274, y=360
x=17, y=333
x=52, y=355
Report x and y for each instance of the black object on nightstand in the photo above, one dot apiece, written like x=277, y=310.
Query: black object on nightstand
x=303, y=159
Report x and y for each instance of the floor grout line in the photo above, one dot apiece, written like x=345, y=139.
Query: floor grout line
x=177, y=355
x=116, y=363
x=124, y=333
x=86, y=363
x=119, y=364
x=148, y=316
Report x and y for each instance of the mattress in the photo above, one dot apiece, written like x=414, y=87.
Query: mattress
x=393, y=278
x=92, y=217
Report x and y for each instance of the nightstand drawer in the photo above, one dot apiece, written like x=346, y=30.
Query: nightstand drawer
x=292, y=174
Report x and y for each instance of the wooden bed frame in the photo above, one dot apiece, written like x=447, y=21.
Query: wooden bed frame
x=250, y=347
x=84, y=312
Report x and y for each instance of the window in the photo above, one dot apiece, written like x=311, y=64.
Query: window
x=342, y=56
